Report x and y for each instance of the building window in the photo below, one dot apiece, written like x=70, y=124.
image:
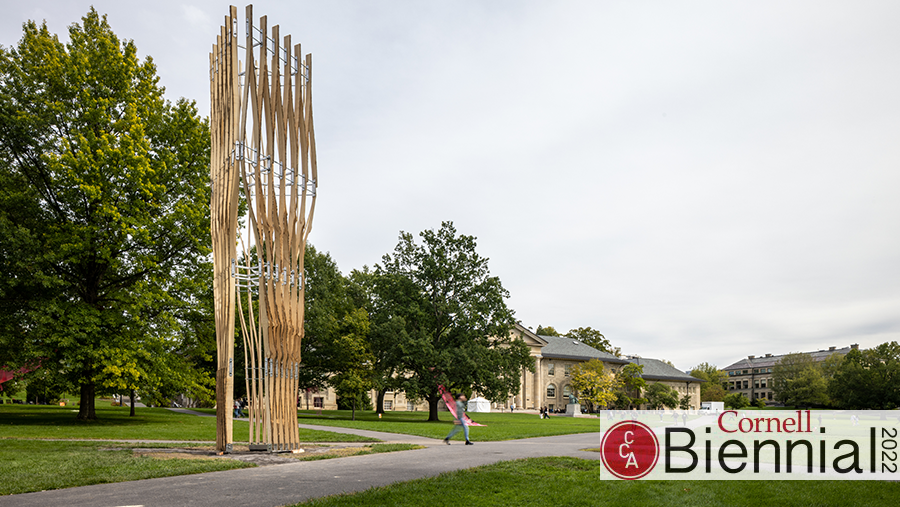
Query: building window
x=567, y=391
x=756, y=384
x=568, y=369
x=746, y=384
x=410, y=406
x=388, y=405
x=762, y=383
x=318, y=402
x=551, y=391
x=550, y=369
x=770, y=395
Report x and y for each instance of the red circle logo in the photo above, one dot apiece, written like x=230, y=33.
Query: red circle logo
x=629, y=450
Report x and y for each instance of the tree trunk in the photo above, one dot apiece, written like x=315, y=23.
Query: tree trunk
x=379, y=403
x=86, y=406
x=132, y=403
x=433, y=408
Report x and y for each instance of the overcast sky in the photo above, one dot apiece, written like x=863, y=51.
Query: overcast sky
x=699, y=181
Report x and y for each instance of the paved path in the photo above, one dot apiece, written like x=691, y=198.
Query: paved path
x=295, y=482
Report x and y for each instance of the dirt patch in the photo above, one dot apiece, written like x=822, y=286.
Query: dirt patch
x=243, y=453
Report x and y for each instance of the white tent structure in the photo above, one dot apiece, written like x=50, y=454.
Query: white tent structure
x=478, y=404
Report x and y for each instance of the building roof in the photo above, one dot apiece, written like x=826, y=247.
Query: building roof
x=654, y=369
x=768, y=360
x=560, y=347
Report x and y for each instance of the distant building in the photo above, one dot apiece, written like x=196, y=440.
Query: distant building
x=752, y=377
x=550, y=384
x=554, y=356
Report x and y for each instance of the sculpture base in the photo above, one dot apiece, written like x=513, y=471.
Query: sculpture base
x=574, y=410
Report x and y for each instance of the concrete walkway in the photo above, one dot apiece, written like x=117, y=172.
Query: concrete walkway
x=291, y=483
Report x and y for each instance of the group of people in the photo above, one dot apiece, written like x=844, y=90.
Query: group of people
x=545, y=412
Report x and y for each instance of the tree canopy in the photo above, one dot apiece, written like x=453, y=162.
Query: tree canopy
x=797, y=380
x=868, y=379
x=586, y=335
x=546, y=331
x=712, y=389
x=660, y=396
x=104, y=206
x=629, y=386
x=455, y=320
x=594, y=383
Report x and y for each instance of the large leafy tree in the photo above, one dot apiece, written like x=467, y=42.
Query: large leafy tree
x=660, y=396
x=455, y=318
x=868, y=379
x=797, y=380
x=594, y=338
x=336, y=350
x=712, y=389
x=104, y=206
x=586, y=335
x=629, y=386
x=594, y=383
x=386, y=330
x=547, y=331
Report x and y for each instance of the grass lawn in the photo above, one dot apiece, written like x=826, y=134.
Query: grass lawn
x=499, y=426
x=36, y=465
x=48, y=421
x=571, y=481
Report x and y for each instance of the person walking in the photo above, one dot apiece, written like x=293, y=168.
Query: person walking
x=460, y=420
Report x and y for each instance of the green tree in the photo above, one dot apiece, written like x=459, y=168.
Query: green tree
x=797, y=380
x=105, y=202
x=711, y=390
x=685, y=402
x=630, y=385
x=336, y=350
x=660, y=396
x=736, y=401
x=455, y=316
x=594, y=338
x=868, y=379
x=831, y=365
x=594, y=384
x=327, y=304
x=352, y=362
x=386, y=331
x=546, y=331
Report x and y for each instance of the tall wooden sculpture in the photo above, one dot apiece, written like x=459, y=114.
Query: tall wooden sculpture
x=263, y=160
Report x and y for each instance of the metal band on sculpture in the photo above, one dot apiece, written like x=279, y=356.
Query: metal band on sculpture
x=263, y=154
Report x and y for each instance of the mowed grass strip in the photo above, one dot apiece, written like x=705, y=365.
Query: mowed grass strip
x=38, y=465
x=572, y=481
x=114, y=423
x=498, y=426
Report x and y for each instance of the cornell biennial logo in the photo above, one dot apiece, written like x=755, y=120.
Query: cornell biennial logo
x=752, y=444
x=629, y=450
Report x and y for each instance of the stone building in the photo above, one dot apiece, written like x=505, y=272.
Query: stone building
x=752, y=377
x=550, y=384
